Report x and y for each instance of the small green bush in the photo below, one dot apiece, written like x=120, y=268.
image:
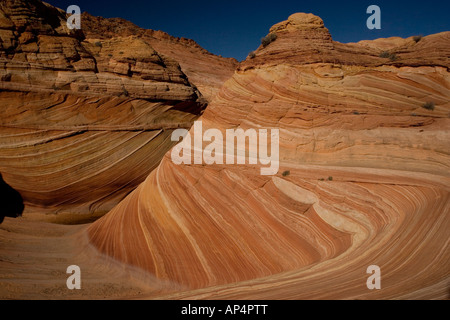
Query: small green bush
x=98, y=44
x=252, y=55
x=429, y=106
x=124, y=93
x=330, y=178
x=393, y=57
x=286, y=173
x=388, y=55
x=271, y=37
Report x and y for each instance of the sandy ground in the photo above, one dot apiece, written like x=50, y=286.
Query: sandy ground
x=34, y=257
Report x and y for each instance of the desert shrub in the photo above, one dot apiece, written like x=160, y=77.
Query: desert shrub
x=429, y=106
x=286, y=173
x=417, y=38
x=271, y=37
x=252, y=55
x=388, y=55
x=124, y=93
x=98, y=44
x=330, y=178
x=393, y=57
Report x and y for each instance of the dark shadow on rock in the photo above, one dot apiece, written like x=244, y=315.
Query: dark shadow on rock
x=11, y=202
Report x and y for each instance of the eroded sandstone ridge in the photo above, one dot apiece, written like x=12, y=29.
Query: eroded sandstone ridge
x=85, y=119
x=206, y=71
x=364, y=178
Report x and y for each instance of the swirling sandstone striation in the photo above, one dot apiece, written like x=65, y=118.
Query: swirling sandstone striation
x=366, y=179
x=83, y=122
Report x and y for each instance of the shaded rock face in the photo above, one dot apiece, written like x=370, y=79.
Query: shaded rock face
x=83, y=121
x=368, y=178
x=11, y=202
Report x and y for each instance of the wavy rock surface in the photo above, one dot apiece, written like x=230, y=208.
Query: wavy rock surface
x=83, y=122
x=366, y=179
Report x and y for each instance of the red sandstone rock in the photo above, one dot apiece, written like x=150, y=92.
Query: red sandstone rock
x=83, y=121
x=368, y=180
x=82, y=124
x=206, y=71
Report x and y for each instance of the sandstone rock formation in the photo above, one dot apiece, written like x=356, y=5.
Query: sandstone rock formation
x=206, y=71
x=363, y=179
x=83, y=121
x=366, y=179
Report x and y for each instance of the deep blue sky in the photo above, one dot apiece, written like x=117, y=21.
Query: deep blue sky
x=234, y=28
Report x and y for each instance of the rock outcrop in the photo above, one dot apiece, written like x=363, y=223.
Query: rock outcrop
x=364, y=179
x=206, y=71
x=83, y=121
x=303, y=39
